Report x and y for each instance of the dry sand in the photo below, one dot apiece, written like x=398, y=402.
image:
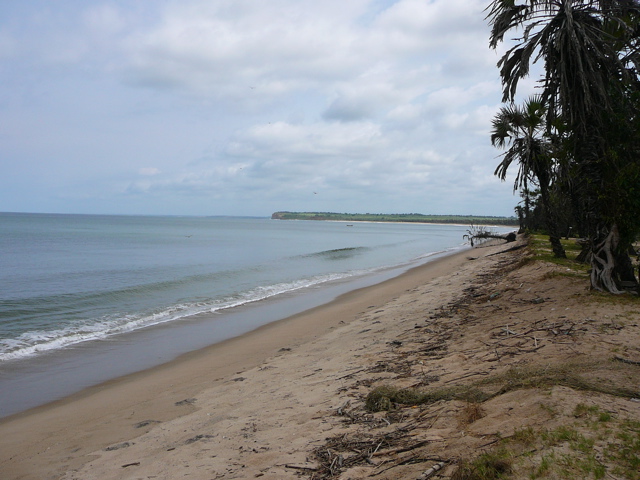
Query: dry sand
x=287, y=400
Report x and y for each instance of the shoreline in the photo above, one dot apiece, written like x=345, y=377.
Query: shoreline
x=33, y=382
x=510, y=227
x=61, y=435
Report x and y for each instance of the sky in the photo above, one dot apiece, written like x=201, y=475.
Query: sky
x=247, y=107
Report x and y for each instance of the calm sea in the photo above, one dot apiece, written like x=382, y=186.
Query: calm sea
x=71, y=281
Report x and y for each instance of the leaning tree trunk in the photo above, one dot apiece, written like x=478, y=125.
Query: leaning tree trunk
x=611, y=267
x=603, y=262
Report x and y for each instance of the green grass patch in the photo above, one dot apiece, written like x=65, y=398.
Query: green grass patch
x=580, y=466
x=571, y=452
x=541, y=250
x=488, y=466
x=604, y=417
x=525, y=436
x=544, y=468
x=625, y=452
x=608, y=299
x=560, y=435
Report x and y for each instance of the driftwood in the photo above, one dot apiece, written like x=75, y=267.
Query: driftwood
x=477, y=234
x=301, y=467
x=626, y=360
x=395, y=451
x=431, y=471
x=509, y=237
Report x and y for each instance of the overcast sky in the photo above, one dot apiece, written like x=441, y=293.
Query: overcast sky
x=245, y=107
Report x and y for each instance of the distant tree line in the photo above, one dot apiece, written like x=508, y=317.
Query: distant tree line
x=576, y=143
x=397, y=217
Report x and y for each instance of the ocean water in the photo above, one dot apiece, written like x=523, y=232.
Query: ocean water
x=75, y=283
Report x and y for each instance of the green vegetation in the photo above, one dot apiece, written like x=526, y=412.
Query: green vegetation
x=577, y=140
x=590, y=446
x=626, y=452
x=572, y=452
x=541, y=248
x=488, y=466
x=396, y=217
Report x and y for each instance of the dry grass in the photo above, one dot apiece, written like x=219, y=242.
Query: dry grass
x=388, y=397
x=472, y=412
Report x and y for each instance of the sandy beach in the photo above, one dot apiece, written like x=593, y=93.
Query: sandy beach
x=288, y=399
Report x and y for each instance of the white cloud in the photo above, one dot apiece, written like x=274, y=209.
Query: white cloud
x=104, y=19
x=423, y=27
x=149, y=171
x=284, y=141
x=367, y=102
x=221, y=48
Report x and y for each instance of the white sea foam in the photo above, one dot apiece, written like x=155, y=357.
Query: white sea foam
x=36, y=342
x=39, y=341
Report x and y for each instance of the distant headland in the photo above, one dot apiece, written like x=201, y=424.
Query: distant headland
x=397, y=217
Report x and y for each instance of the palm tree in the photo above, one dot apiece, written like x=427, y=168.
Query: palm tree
x=590, y=50
x=585, y=44
x=522, y=130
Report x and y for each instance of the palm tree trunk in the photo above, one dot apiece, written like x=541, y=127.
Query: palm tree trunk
x=552, y=224
x=556, y=246
x=527, y=206
x=624, y=271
